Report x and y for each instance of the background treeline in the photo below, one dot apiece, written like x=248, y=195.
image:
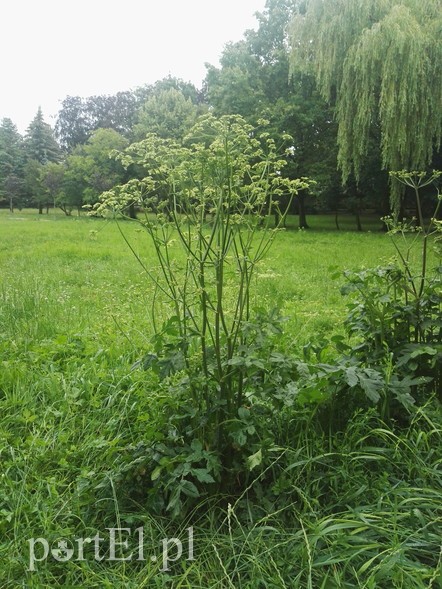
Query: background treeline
x=263, y=75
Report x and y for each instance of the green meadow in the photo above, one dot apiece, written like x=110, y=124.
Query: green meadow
x=361, y=507
x=76, y=275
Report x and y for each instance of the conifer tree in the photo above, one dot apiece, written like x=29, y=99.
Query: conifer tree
x=11, y=163
x=40, y=143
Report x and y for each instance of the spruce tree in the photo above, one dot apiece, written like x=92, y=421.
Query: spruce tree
x=11, y=163
x=40, y=142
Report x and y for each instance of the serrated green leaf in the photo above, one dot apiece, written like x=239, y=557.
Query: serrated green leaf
x=203, y=475
x=254, y=460
x=189, y=489
x=371, y=387
x=351, y=377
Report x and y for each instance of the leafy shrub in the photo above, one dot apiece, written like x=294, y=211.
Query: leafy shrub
x=395, y=317
x=394, y=356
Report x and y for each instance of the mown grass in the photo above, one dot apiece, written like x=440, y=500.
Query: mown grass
x=355, y=508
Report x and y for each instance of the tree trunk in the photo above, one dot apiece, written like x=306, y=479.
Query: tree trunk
x=401, y=211
x=132, y=211
x=11, y=205
x=357, y=209
x=302, y=214
x=40, y=208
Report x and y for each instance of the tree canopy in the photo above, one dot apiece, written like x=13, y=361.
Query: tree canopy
x=168, y=113
x=79, y=117
x=380, y=63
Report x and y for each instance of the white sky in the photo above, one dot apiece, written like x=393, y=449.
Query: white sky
x=53, y=48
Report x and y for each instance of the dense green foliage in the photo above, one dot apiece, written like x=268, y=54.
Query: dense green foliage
x=11, y=164
x=380, y=62
x=40, y=144
x=396, y=317
x=80, y=117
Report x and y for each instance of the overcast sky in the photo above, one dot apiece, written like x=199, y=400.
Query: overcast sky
x=53, y=48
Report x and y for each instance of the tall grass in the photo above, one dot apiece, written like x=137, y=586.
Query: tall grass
x=361, y=507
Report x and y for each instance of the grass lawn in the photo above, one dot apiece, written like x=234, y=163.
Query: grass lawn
x=80, y=275
x=359, y=508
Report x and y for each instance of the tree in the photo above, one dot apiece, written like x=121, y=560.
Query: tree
x=313, y=152
x=34, y=190
x=168, y=113
x=88, y=171
x=13, y=188
x=254, y=72
x=40, y=143
x=101, y=171
x=115, y=112
x=52, y=179
x=380, y=63
x=74, y=184
x=254, y=81
x=187, y=89
x=237, y=87
x=73, y=125
x=80, y=117
x=11, y=164
x=40, y=148
x=168, y=108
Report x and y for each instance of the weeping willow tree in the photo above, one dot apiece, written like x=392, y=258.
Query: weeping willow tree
x=380, y=63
